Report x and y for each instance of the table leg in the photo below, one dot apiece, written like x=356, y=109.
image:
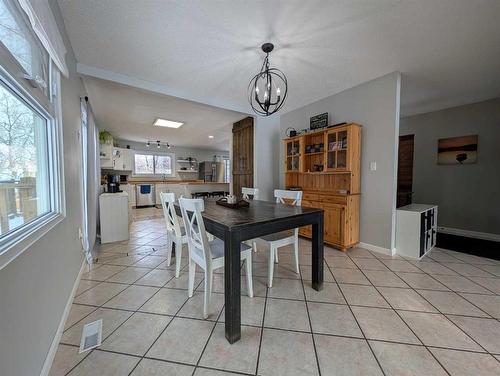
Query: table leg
x=232, y=286
x=317, y=253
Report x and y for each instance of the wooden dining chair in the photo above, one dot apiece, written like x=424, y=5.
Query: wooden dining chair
x=282, y=238
x=247, y=192
x=209, y=255
x=176, y=233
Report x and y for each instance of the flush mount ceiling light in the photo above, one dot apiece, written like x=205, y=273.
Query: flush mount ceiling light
x=267, y=90
x=211, y=137
x=167, y=123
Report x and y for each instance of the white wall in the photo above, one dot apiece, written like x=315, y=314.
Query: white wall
x=467, y=195
x=374, y=105
x=35, y=287
x=266, y=155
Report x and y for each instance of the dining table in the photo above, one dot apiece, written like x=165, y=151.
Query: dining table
x=235, y=225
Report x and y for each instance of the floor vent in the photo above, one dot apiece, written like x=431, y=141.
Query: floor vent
x=91, y=336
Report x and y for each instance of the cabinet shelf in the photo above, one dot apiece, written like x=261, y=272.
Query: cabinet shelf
x=315, y=153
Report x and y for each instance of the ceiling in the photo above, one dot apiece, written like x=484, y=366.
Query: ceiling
x=128, y=113
x=447, y=50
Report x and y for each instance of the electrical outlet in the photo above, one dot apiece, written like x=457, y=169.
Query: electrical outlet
x=373, y=166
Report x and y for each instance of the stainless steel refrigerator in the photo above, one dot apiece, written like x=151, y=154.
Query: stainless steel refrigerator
x=211, y=171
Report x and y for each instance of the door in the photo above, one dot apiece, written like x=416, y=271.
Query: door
x=242, y=155
x=405, y=170
x=334, y=221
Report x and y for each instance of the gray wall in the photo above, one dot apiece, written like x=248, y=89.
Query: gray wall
x=35, y=287
x=467, y=195
x=374, y=105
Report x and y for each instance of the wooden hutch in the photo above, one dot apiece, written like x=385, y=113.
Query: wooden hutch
x=325, y=164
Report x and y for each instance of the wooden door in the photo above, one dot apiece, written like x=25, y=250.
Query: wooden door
x=405, y=170
x=242, y=155
x=334, y=223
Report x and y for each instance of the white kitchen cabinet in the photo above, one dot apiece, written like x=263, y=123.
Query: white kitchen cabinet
x=130, y=189
x=416, y=229
x=122, y=159
x=114, y=212
x=106, y=155
x=160, y=188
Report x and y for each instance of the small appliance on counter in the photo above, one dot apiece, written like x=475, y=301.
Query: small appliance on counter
x=113, y=185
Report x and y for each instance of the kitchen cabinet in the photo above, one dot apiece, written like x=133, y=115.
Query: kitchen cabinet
x=130, y=189
x=160, y=188
x=106, y=155
x=123, y=159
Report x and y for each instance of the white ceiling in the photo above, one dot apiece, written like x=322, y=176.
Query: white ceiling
x=207, y=51
x=128, y=113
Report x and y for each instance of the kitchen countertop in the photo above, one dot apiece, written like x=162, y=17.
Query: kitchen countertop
x=187, y=182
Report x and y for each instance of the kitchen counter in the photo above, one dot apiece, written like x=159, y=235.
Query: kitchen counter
x=187, y=182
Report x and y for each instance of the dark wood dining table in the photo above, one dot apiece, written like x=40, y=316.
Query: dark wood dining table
x=261, y=218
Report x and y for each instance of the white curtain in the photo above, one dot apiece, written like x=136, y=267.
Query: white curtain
x=94, y=176
x=44, y=24
x=89, y=137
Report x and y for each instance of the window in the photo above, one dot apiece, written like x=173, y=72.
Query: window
x=31, y=198
x=227, y=170
x=150, y=164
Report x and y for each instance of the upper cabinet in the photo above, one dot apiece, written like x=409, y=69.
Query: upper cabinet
x=342, y=148
x=293, y=154
x=118, y=159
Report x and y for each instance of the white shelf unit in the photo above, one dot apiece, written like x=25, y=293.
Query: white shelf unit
x=416, y=229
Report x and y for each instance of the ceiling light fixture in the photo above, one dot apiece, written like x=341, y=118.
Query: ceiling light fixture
x=167, y=123
x=158, y=144
x=147, y=144
x=211, y=137
x=267, y=90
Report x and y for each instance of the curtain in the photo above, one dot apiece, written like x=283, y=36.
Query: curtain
x=45, y=27
x=94, y=176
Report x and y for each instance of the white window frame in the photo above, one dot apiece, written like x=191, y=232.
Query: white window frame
x=18, y=240
x=154, y=175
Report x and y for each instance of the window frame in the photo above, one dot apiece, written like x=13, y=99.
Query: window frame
x=19, y=239
x=154, y=174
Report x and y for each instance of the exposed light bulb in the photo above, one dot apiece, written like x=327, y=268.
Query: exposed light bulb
x=158, y=144
x=257, y=89
x=265, y=94
x=278, y=91
x=168, y=145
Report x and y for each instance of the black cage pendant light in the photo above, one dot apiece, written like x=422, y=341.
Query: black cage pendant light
x=267, y=90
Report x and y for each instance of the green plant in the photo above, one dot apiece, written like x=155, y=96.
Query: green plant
x=105, y=137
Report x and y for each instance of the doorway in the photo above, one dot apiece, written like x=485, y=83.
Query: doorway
x=405, y=170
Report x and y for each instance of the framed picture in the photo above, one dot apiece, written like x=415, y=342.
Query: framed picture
x=457, y=150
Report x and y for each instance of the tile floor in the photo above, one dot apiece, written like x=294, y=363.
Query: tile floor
x=377, y=315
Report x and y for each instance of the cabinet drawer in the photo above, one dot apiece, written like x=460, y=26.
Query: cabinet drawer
x=310, y=196
x=341, y=200
x=311, y=204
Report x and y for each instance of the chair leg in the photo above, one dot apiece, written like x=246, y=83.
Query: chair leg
x=296, y=252
x=192, y=271
x=170, y=242
x=208, y=291
x=276, y=255
x=272, y=250
x=178, y=256
x=254, y=246
x=248, y=261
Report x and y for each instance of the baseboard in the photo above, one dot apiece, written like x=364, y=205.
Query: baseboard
x=376, y=248
x=57, y=338
x=469, y=234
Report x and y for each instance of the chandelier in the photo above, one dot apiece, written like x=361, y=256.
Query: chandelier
x=267, y=90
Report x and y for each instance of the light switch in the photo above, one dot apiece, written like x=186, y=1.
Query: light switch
x=373, y=166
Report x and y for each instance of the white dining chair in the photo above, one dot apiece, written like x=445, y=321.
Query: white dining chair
x=282, y=238
x=209, y=255
x=176, y=232
x=247, y=192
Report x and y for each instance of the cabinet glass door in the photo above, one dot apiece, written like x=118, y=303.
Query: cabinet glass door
x=292, y=150
x=337, y=142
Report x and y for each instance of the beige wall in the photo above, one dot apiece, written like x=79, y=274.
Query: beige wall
x=35, y=287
